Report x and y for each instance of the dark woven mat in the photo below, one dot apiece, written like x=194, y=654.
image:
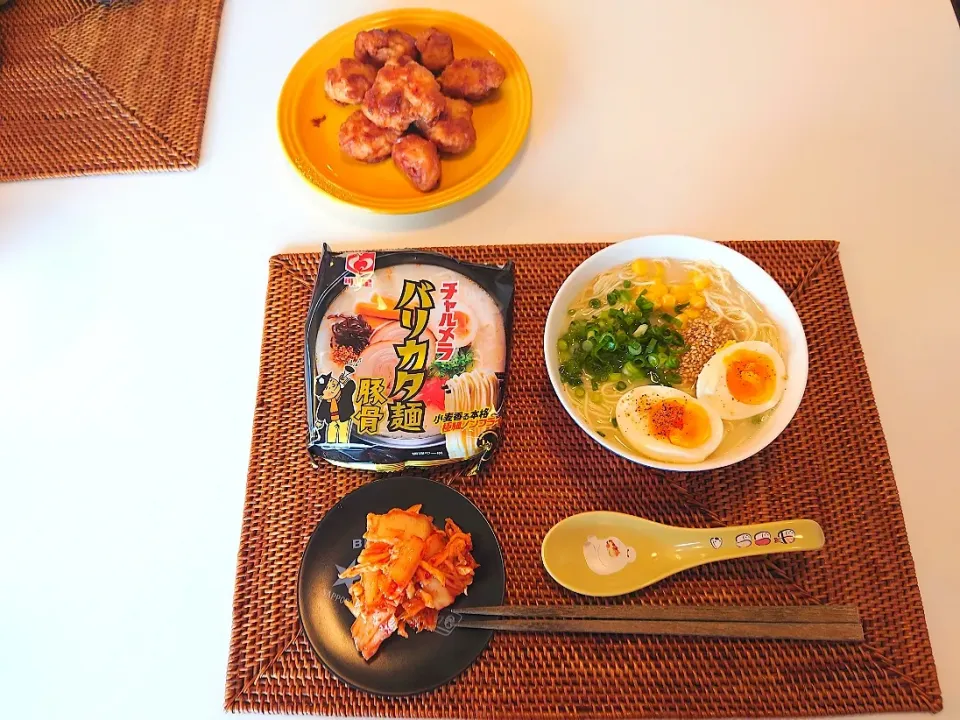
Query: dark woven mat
x=91, y=88
x=830, y=464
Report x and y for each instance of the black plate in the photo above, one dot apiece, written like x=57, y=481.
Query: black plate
x=402, y=666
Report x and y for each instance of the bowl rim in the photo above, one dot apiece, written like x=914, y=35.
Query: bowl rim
x=797, y=362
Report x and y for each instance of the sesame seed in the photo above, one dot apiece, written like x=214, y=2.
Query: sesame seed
x=704, y=336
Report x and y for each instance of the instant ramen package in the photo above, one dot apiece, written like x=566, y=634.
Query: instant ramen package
x=406, y=359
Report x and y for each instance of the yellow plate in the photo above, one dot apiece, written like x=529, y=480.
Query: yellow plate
x=501, y=121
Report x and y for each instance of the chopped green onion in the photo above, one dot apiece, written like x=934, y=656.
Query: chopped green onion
x=601, y=434
x=621, y=386
x=606, y=342
x=627, y=283
x=571, y=311
x=594, y=385
x=579, y=392
x=624, y=341
x=681, y=307
x=644, y=304
x=613, y=421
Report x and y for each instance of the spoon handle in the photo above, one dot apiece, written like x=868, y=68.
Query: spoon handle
x=711, y=544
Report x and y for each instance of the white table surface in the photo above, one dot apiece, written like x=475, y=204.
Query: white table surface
x=131, y=306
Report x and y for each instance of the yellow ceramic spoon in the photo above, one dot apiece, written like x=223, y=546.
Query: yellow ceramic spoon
x=608, y=553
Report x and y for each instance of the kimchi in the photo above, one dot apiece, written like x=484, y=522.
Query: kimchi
x=407, y=572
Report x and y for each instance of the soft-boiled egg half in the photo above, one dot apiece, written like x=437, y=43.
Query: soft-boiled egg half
x=666, y=424
x=742, y=380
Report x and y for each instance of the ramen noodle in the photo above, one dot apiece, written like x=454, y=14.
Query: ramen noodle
x=406, y=359
x=474, y=389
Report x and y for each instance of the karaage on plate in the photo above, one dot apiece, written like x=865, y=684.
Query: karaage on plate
x=472, y=78
x=403, y=93
x=349, y=81
x=418, y=159
x=436, y=49
x=378, y=47
x=453, y=132
x=364, y=141
x=405, y=83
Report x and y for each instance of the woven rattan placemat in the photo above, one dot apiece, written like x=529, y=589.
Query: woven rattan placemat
x=830, y=464
x=91, y=88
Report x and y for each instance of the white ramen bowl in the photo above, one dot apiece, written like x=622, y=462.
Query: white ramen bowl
x=751, y=278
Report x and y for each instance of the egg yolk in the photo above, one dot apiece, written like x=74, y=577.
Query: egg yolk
x=680, y=423
x=751, y=377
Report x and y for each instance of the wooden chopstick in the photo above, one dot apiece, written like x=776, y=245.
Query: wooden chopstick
x=840, y=631
x=779, y=614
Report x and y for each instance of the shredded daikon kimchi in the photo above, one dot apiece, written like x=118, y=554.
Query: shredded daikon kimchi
x=408, y=571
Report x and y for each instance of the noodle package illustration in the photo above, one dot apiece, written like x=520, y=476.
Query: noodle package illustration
x=406, y=358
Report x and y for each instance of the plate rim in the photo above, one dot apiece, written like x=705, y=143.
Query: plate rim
x=300, y=576
x=425, y=202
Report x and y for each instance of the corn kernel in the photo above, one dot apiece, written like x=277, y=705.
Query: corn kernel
x=657, y=303
x=701, y=282
x=697, y=302
x=682, y=317
x=691, y=313
x=639, y=267
x=680, y=292
x=658, y=270
x=657, y=290
x=668, y=301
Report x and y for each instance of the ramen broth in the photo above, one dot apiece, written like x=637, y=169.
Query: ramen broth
x=696, y=294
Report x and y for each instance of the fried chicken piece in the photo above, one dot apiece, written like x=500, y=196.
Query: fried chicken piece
x=378, y=47
x=472, y=78
x=364, y=141
x=436, y=49
x=403, y=93
x=349, y=81
x=418, y=160
x=453, y=132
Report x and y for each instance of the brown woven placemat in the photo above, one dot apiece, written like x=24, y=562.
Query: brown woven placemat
x=87, y=88
x=830, y=464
